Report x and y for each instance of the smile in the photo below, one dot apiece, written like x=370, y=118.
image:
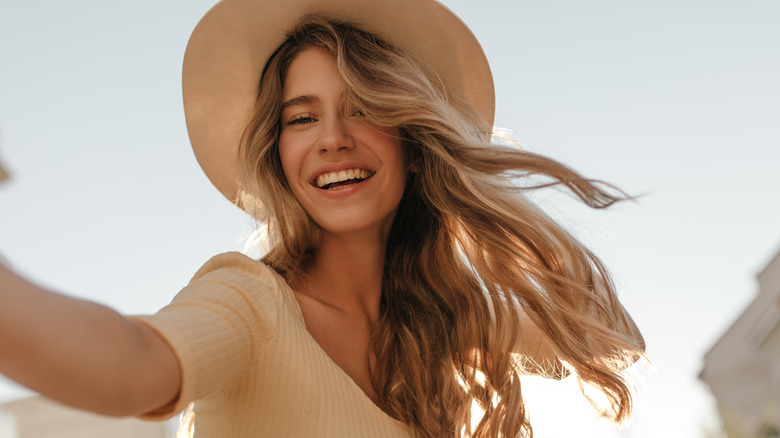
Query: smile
x=342, y=178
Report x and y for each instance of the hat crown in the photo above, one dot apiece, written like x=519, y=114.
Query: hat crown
x=231, y=44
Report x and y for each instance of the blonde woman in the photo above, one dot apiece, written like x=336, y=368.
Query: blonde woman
x=407, y=278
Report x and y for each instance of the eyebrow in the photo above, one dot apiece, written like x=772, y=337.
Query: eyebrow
x=300, y=100
x=306, y=99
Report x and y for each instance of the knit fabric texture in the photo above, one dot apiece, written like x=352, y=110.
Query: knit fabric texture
x=250, y=365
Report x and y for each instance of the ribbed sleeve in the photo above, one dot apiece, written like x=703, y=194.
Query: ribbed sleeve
x=251, y=366
x=218, y=326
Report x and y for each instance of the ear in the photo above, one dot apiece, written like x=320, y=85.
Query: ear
x=412, y=156
x=414, y=162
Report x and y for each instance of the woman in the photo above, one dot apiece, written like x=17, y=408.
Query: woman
x=407, y=278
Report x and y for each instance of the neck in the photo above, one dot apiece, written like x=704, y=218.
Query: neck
x=346, y=273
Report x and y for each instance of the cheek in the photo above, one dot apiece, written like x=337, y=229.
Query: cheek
x=390, y=139
x=290, y=159
x=394, y=154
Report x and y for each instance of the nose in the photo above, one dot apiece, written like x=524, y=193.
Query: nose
x=334, y=135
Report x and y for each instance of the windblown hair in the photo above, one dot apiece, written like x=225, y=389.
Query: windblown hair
x=466, y=252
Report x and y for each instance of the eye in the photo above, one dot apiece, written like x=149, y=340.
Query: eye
x=300, y=119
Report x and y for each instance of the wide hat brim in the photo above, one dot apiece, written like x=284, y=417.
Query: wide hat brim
x=231, y=44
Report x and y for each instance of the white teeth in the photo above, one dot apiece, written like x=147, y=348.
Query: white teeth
x=340, y=176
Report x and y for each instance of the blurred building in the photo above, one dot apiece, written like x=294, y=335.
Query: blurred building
x=38, y=417
x=742, y=369
x=3, y=173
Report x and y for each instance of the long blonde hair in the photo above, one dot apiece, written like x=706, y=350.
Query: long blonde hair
x=465, y=251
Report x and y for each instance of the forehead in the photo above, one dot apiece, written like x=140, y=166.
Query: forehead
x=312, y=72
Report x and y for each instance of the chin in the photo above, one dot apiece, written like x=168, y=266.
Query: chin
x=352, y=225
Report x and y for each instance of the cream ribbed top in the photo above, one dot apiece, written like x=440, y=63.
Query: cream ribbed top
x=251, y=366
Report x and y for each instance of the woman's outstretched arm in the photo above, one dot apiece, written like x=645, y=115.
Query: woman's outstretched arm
x=81, y=353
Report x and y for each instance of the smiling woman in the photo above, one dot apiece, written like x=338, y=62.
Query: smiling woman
x=429, y=313
x=348, y=174
x=408, y=278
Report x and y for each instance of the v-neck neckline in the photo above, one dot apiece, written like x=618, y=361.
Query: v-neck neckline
x=296, y=306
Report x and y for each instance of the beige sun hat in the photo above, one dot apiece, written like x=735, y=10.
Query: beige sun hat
x=230, y=46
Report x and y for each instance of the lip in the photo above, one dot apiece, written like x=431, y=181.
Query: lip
x=336, y=167
x=342, y=193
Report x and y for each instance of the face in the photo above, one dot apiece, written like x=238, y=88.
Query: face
x=347, y=174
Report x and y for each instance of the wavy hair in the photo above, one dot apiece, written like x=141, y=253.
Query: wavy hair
x=468, y=256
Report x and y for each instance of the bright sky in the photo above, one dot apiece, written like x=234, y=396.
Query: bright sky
x=675, y=100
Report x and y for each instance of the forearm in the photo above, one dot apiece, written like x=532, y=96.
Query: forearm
x=81, y=353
